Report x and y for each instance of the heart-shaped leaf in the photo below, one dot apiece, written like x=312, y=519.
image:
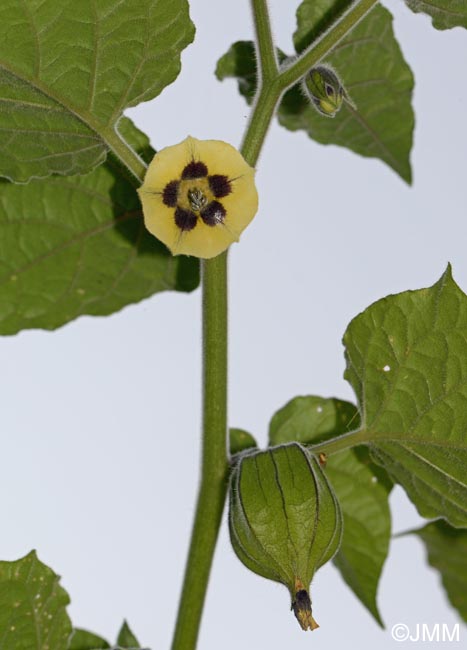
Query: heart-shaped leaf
x=447, y=553
x=68, y=70
x=375, y=74
x=77, y=245
x=407, y=362
x=445, y=14
x=32, y=607
x=377, y=78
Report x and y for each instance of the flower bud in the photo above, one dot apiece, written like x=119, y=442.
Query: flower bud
x=285, y=521
x=325, y=89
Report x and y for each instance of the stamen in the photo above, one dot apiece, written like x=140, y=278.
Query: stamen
x=197, y=199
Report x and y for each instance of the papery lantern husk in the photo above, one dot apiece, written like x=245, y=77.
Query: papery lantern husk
x=285, y=521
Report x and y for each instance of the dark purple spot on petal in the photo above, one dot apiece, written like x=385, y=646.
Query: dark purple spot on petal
x=220, y=185
x=170, y=194
x=194, y=170
x=329, y=90
x=185, y=219
x=213, y=214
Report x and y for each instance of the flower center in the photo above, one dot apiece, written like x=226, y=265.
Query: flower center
x=194, y=194
x=197, y=199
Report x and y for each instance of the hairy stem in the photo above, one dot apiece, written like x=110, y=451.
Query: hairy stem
x=213, y=487
x=268, y=67
x=325, y=43
x=263, y=112
x=214, y=467
x=340, y=443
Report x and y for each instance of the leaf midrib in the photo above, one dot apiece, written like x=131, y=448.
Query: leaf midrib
x=437, y=468
x=105, y=132
x=82, y=115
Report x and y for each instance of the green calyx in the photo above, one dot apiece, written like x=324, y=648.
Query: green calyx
x=285, y=521
x=325, y=89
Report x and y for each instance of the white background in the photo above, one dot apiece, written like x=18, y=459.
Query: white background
x=100, y=420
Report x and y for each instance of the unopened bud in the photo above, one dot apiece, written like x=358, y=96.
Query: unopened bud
x=323, y=86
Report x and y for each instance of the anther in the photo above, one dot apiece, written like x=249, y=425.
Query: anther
x=197, y=199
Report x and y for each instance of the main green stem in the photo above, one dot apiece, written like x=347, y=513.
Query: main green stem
x=268, y=67
x=215, y=459
x=214, y=468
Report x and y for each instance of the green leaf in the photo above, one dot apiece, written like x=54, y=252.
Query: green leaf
x=84, y=640
x=445, y=14
x=314, y=18
x=364, y=497
x=67, y=75
x=32, y=607
x=126, y=638
x=240, y=63
x=375, y=75
x=361, y=487
x=447, y=553
x=407, y=362
x=78, y=245
x=312, y=419
x=240, y=440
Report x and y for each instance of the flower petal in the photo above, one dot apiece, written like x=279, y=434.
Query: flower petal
x=238, y=207
x=222, y=158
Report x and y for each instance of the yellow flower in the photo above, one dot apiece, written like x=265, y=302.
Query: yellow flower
x=198, y=197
